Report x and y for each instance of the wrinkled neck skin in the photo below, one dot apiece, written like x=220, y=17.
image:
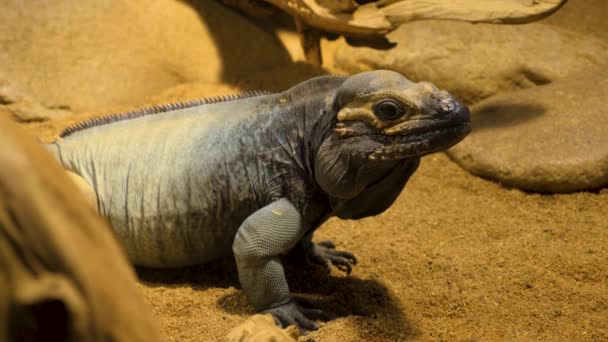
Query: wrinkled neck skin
x=341, y=167
x=306, y=122
x=343, y=172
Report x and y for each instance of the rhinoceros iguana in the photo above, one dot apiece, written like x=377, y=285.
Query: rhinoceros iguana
x=254, y=175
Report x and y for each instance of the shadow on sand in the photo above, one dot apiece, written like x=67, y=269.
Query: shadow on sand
x=219, y=273
x=368, y=300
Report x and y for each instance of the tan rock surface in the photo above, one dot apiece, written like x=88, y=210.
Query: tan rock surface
x=22, y=107
x=583, y=16
x=475, y=61
x=92, y=55
x=552, y=138
x=63, y=276
x=260, y=328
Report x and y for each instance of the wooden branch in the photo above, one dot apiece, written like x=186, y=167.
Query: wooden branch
x=380, y=17
x=310, y=39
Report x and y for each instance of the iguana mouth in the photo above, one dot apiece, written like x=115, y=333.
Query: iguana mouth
x=420, y=138
x=421, y=141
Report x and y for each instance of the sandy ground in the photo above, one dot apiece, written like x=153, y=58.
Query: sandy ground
x=456, y=258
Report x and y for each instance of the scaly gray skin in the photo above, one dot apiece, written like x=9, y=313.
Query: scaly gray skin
x=256, y=176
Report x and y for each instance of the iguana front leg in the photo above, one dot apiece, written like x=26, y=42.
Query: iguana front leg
x=260, y=241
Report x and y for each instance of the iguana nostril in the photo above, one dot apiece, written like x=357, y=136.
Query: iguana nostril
x=447, y=105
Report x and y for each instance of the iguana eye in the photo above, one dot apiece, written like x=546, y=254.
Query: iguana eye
x=388, y=110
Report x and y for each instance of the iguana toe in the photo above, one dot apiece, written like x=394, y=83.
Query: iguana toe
x=327, y=244
x=293, y=314
x=324, y=253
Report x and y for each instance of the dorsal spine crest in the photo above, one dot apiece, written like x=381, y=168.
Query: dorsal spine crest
x=155, y=109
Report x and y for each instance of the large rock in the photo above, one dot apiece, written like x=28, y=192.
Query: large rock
x=23, y=108
x=475, y=61
x=63, y=275
x=91, y=55
x=552, y=138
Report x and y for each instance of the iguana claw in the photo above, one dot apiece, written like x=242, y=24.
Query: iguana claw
x=292, y=313
x=324, y=253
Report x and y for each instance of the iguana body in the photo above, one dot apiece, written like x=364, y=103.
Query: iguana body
x=255, y=176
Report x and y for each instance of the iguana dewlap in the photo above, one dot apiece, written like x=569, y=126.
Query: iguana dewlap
x=255, y=175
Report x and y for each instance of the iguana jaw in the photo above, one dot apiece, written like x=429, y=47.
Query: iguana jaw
x=421, y=143
x=446, y=124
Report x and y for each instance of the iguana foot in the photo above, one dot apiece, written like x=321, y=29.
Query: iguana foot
x=324, y=253
x=292, y=313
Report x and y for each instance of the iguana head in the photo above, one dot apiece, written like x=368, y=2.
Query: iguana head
x=382, y=118
x=382, y=115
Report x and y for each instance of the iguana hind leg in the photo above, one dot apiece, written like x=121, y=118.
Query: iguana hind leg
x=85, y=188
